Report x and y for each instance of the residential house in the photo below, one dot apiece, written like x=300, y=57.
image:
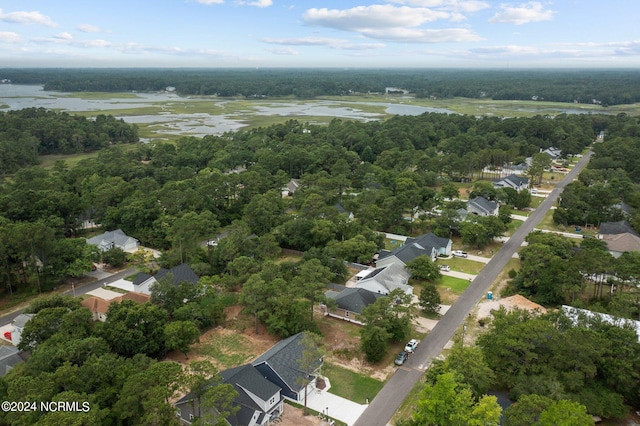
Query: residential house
x=384, y=279
x=18, y=324
x=114, y=239
x=99, y=307
x=574, y=314
x=626, y=210
x=482, y=207
x=350, y=302
x=9, y=357
x=427, y=244
x=512, y=181
x=291, y=187
x=553, y=152
x=181, y=273
x=342, y=210
x=620, y=237
x=280, y=365
x=259, y=401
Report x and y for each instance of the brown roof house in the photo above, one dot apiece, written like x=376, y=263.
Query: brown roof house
x=620, y=237
x=99, y=307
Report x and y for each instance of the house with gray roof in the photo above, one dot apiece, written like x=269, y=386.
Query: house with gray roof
x=114, y=239
x=10, y=356
x=259, y=402
x=18, y=324
x=512, y=181
x=384, y=279
x=482, y=207
x=181, y=273
x=620, y=237
x=428, y=244
x=280, y=365
x=350, y=302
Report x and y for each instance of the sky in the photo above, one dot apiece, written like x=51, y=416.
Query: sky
x=314, y=33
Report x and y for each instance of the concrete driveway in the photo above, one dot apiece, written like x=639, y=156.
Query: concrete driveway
x=337, y=407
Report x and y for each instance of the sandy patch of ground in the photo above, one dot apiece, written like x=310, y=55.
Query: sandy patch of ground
x=509, y=303
x=293, y=417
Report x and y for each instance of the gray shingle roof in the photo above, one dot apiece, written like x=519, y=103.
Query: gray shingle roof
x=414, y=247
x=283, y=359
x=9, y=357
x=109, y=239
x=354, y=299
x=483, y=204
x=180, y=274
x=247, y=377
x=614, y=228
x=21, y=320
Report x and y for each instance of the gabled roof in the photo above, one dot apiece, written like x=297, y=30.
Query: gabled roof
x=354, y=299
x=613, y=228
x=9, y=357
x=293, y=185
x=385, y=279
x=116, y=238
x=139, y=298
x=414, y=247
x=283, y=358
x=482, y=204
x=21, y=320
x=180, y=274
x=512, y=181
x=622, y=243
x=95, y=304
x=247, y=377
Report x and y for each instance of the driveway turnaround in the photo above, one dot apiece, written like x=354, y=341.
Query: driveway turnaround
x=389, y=399
x=337, y=407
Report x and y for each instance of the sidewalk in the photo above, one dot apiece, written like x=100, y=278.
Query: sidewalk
x=337, y=407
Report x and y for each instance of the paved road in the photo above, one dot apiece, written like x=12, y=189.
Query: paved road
x=7, y=318
x=389, y=399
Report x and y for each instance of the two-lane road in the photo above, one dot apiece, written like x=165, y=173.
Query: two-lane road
x=389, y=399
x=7, y=318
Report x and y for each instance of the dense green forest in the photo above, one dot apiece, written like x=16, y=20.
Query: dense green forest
x=28, y=133
x=606, y=87
x=388, y=174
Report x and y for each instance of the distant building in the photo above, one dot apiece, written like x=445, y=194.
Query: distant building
x=18, y=326
x=350, y=302
x=512, y=181
x=111, y=239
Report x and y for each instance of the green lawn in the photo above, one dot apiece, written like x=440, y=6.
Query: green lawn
x=462, y=265
x=457, y=285
x=351, y=385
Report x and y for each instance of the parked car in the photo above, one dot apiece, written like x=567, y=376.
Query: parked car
x=411, y=346
x=445, y=268
x=459, y=253
x=401, y=358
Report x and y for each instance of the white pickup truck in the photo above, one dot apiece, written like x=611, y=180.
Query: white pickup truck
x=459, y=253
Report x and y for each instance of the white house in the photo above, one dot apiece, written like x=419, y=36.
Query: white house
x=482, y=207
x=111, y=239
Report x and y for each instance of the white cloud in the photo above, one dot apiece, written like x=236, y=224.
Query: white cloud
x=417, y=35
x=208, y=2
x=9, y=37
x=334, y=43
x=27, y=18
x=456, y=5
x=63, y=36
x=283, y=51
x=257, y=3
x=524, y=13
x=88, y=28
x=392, y=23
x=363, y=18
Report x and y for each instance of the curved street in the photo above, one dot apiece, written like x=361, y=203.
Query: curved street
x=389, y=399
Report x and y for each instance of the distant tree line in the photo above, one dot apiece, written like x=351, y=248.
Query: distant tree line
x=606, y=87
